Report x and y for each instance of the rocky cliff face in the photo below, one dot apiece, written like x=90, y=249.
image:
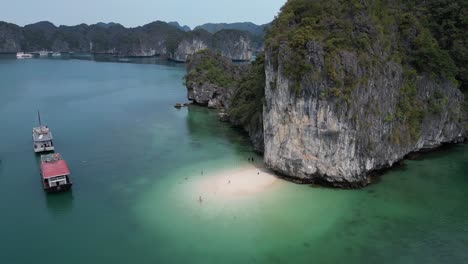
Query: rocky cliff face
x=187, y=48
x=214, y=81
x=320, y=138
x=157, y=38
x=347, y=88
x=10, y=37
x=340, y=103
x=234, y=44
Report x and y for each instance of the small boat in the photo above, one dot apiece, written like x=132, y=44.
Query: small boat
x=42, y=137
x=22, y=55
x=55, y=173
x=56, y=54
x=179, y=105
x=43, y=53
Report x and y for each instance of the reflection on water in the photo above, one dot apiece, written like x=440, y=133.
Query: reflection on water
x=59, y=203
x=204, y=124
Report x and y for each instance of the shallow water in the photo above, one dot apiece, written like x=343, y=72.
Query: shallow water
x=130, y=151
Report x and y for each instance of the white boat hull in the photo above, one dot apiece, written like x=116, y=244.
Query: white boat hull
x=46, y=149
x=22, y=55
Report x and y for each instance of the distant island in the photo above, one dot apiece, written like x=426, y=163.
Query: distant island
x=238, y=41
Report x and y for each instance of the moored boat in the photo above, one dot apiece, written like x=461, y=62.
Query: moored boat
x=22, y=55
x=55, y=174
x=42, y=138
x=44, y=53
x=56, y=54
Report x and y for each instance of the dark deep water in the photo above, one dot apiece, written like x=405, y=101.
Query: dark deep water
x=129, y=150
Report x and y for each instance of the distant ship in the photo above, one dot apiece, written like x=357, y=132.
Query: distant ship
x=22, y=55
x=56, y=54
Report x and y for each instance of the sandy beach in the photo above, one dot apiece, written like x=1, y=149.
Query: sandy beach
x=248, y=180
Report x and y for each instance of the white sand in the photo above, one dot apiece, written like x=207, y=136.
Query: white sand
x=247, y=180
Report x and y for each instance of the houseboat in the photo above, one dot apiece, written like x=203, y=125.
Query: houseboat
x=42, y=138
x=22, y=55
x=55, y=174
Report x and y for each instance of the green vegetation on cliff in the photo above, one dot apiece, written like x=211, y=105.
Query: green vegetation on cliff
x=247, y=103
x=211, y=68
x=246, y=84
x=237, y=89
x=425, y=37
x=431, y=34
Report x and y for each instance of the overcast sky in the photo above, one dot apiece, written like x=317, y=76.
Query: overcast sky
x=133, y=13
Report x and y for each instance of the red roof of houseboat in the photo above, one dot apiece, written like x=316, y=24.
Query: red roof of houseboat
x=54, y=169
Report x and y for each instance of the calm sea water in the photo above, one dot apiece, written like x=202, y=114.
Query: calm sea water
x=130, y=150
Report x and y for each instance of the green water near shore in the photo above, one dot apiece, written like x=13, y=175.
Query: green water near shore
x=130, y=151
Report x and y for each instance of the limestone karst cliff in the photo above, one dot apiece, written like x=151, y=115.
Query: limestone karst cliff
x=328, y=135
x=352, y=87
x=236, y=90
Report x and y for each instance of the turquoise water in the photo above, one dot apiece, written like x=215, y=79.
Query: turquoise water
x=130, y=151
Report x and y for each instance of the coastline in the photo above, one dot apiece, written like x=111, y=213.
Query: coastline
x=229, y=184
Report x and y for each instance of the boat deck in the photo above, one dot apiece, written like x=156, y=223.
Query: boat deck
x=41, y=134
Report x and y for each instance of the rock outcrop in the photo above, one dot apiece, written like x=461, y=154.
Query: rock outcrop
x=258, y=30
x=10, y=37
x=211, y=79
x=340, y=104
x=234, y=44
x=178, y=26
x=187, y=48
x=214, y=81
x=345, y=92
x=315, y=137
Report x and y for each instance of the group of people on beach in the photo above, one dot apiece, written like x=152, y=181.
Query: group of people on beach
x=251, y=159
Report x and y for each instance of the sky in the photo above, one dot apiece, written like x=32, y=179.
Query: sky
x=132, y=13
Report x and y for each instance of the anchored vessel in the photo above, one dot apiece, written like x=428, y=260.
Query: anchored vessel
x=44, y=53
x=22, y=55
x=42, y=137
x=55, y=173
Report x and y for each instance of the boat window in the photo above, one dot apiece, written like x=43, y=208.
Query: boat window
x=59, y=178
